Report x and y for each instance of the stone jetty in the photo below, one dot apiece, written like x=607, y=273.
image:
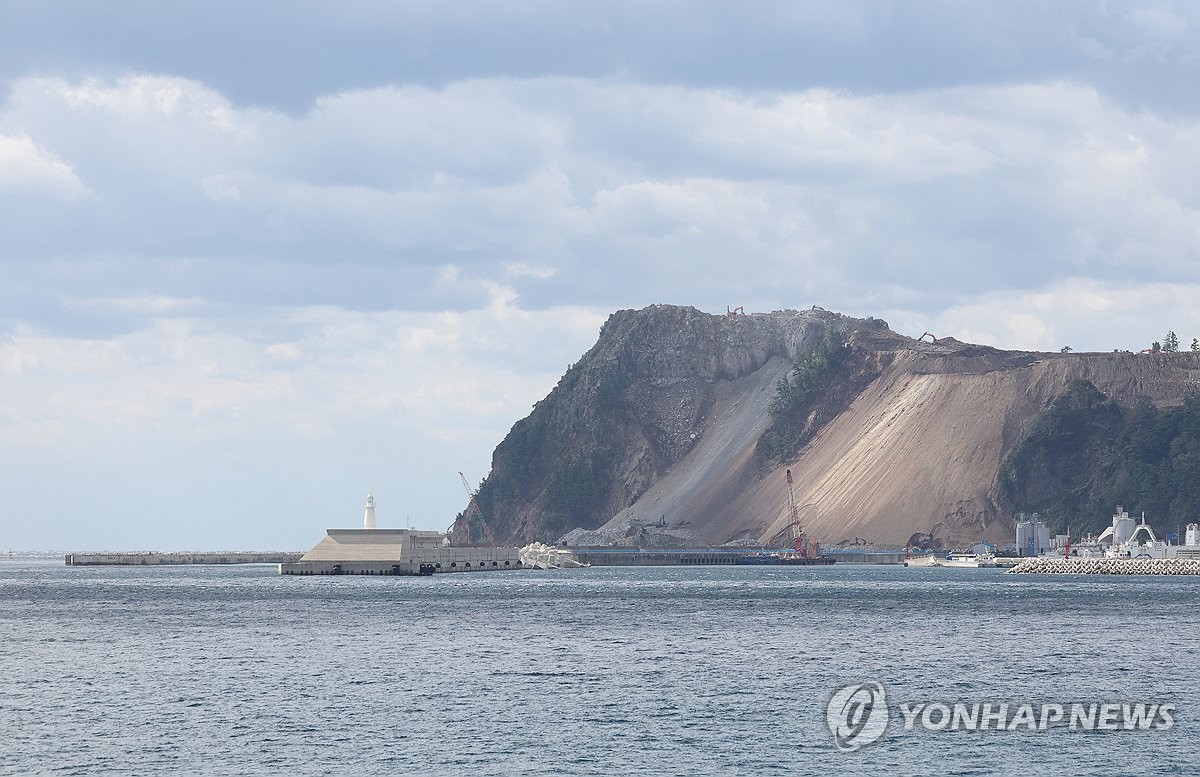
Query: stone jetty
x=152, y=559
x=1107, y=566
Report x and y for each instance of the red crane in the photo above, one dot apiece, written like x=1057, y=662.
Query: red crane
x=800, y=542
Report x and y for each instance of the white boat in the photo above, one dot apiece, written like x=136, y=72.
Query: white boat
x=971, y=560
x=958, y=560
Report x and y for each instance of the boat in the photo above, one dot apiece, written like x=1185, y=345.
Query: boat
x=784, y=559
x=957, y=560
x=971, y=560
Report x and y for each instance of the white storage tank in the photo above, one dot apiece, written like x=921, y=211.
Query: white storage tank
x=1123, y=526
x=1033, y=536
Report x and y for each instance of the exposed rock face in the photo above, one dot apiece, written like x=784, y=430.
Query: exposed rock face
x=652, y=434
x=636, y=404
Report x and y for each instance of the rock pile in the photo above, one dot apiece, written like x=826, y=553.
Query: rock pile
x=1108, y=566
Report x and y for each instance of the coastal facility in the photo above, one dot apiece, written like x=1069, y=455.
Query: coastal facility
x=374, y=551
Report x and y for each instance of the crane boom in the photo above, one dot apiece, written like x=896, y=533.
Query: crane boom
x=800, y=543
x=470, y=492
x=793, y=512
x=471, y=529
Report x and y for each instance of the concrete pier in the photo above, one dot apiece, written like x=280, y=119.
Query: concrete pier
x=152, y=559
x=418, y=562
x=1108, y=566
x=659, y=557
x=396, y=552
x=618, y=556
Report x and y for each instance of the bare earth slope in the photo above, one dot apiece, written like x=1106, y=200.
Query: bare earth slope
x=919, y=449
x=916, y=451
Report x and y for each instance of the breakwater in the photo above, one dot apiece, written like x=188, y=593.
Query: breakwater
x=424, y=561
x=170, y=559
x=1108, y=566
x=858, y=554
x=622, y=556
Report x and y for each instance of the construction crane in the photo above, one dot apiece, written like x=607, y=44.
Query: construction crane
x=930, y=335
x=738, y=311
x=462, y=533
x=800, y=542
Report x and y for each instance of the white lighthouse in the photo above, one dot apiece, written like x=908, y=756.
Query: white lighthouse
x=369, y=513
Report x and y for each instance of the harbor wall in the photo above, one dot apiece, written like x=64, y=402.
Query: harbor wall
x=426, y=561
x=660, y=557
x=860, y=555
x=609, y=556
x=151, y=559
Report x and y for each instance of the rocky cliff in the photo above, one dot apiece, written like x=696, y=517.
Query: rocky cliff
x=656, y=435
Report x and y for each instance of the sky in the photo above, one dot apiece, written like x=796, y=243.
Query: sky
x=260, y=259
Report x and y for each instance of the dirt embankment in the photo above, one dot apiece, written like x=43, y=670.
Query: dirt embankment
x=916, y=451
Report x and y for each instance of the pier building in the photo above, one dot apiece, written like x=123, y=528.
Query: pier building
x=374, y=551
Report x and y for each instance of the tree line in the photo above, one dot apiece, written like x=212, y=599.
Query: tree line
x=1169, y=344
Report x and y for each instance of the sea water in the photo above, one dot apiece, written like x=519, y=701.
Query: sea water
x=686, y=670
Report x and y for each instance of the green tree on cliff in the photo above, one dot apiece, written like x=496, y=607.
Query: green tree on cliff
x=1170, y=343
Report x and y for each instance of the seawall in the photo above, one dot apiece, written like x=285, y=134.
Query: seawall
x=423, y=561
x=170, y=559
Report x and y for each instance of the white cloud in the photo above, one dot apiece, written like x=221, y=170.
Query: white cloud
x=1087, y=314
x=26, y=169
x=187, y=376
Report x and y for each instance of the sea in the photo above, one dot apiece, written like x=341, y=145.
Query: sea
x=237, y=670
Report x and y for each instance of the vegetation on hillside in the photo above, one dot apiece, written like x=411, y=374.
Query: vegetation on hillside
x=796, y=394
x=1086, y=454
x=567, y=474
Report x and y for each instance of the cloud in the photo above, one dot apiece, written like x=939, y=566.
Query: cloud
x=26, y=169
x=287, y=61
x=592, y=194
x=1085, y=313
x=296, y=367
x=222, y=419
x=368, y=197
